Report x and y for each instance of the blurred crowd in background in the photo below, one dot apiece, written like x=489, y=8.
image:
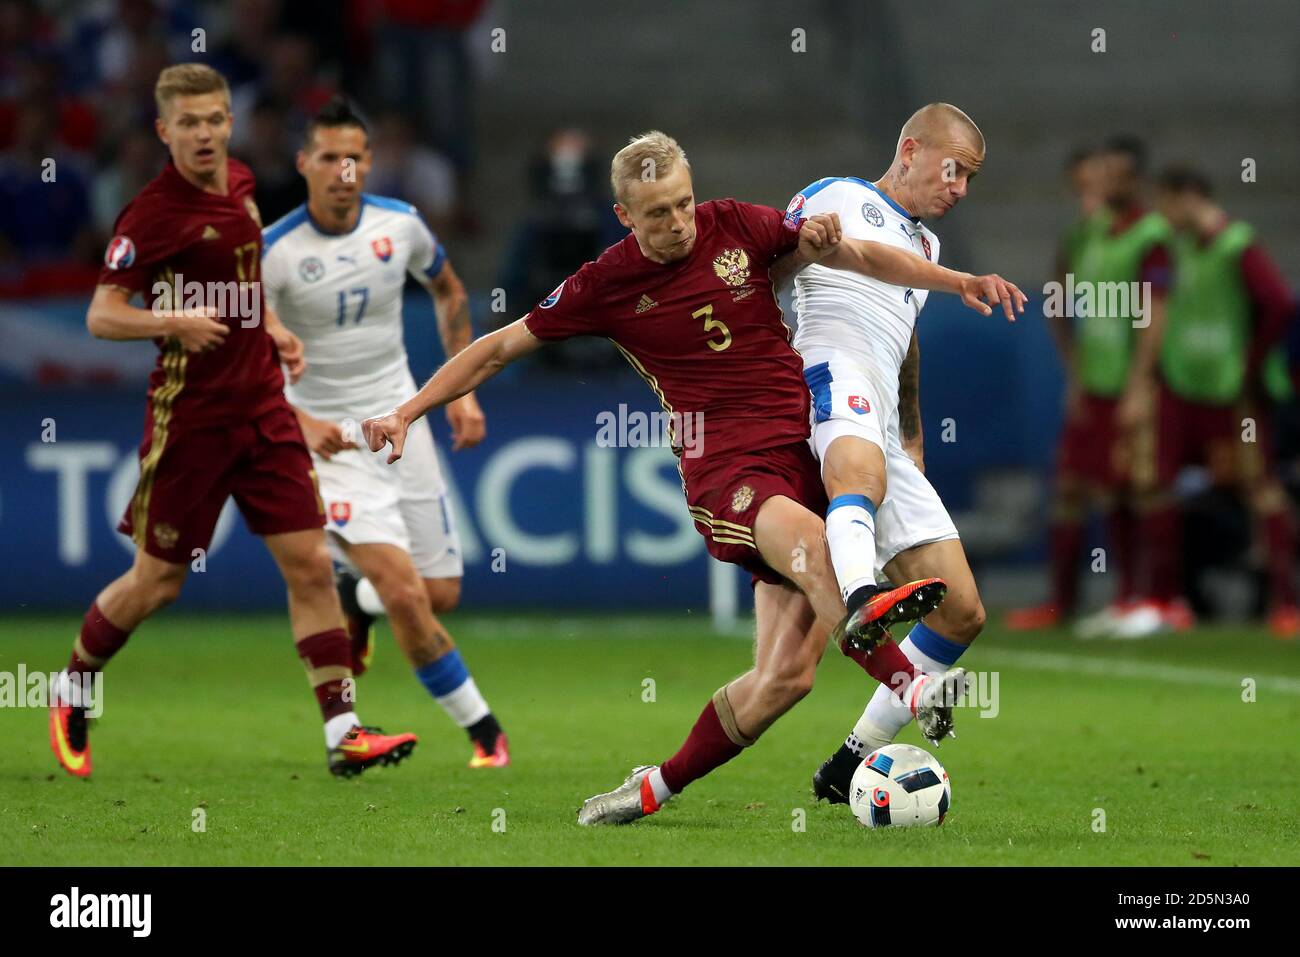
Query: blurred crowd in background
x=78, y=91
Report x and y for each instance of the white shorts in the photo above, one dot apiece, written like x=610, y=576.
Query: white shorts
x=845, y=401
x=404, y=504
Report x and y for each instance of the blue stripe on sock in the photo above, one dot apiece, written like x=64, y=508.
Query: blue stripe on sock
x=934, y=645
x=445, y=675
x=860, y=500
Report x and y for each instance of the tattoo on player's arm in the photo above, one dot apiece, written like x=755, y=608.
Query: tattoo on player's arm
x=457, y=331
x=909, y=392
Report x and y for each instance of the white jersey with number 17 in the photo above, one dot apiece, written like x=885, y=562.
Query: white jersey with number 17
x=341, y=294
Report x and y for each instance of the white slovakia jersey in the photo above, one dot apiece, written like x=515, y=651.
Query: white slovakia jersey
x=847, y=313
x=341, y=294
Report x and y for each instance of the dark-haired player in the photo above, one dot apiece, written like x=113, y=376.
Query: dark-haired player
x=334, y=270
x=1217, y=378
x=687, y=299
x=217, y=423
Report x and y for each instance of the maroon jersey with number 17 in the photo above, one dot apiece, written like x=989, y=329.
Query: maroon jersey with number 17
x=705, y=332
x=175, y=233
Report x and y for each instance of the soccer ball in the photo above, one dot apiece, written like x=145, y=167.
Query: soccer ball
x=900, y=786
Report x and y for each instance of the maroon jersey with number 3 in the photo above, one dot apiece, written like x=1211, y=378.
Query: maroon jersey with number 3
x=707, y=335
x=705, y=332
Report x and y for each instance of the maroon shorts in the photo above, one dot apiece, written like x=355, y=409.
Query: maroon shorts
x=1233, y=441
x=186, y=475
x=724, y=495
x=1091, y=447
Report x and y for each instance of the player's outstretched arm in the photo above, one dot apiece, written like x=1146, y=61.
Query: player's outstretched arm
x=900, y=268
x=462, y=373
x=111, y=316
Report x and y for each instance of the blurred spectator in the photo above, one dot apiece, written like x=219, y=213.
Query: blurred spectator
x=240, y=55
x=570, y=221
x=271, y=154
x=422, y=61
x=290, y=81
x=35, y=81
x=139, y=159
x=44, y=205
x=409, y=171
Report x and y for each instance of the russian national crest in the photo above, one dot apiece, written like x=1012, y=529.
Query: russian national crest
x=732, y=267
x=742, y=498
x=383, y=248
x=120, y=253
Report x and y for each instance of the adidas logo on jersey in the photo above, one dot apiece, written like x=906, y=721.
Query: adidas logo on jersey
x=645, y=305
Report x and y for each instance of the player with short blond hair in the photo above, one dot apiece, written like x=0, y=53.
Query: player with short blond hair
x=217, y=423
x=687, y=298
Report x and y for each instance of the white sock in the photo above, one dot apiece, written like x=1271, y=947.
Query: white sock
x=368, y=598
x=337, y=726
x=886, y=712
x=466, y=705
x=661, y=790
x=851, y=535
x=866, y=735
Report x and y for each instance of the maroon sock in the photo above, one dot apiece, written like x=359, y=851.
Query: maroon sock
x=706, y=747
x=1120, y=528
x=887, y=664
x=1162, y=542
x=327, y=656
x=1279, y=544
x=1063, y=548
x=98, y=641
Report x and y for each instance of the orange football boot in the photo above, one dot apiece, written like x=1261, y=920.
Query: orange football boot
x=498, y=757
x=867, y=626
x=364, y=747
x=69, y=739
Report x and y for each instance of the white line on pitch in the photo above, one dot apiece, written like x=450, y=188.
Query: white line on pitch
x=1154, y=671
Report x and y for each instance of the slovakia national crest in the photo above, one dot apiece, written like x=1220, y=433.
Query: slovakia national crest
x=383, y=248
x=340, y=512
x=872, y=214
x=120, y=253
x=553, y=298
x=794, y=212
x=859, y=404
x=311, y=269
x=925, y=246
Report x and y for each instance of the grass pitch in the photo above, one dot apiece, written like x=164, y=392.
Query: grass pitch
x=213, y=714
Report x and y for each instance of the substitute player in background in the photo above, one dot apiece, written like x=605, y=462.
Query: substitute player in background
x=1109, y=359
x=334, y=270
x=217, y=423
x=687, y=299
x=857, y=335
x=1214, y=387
